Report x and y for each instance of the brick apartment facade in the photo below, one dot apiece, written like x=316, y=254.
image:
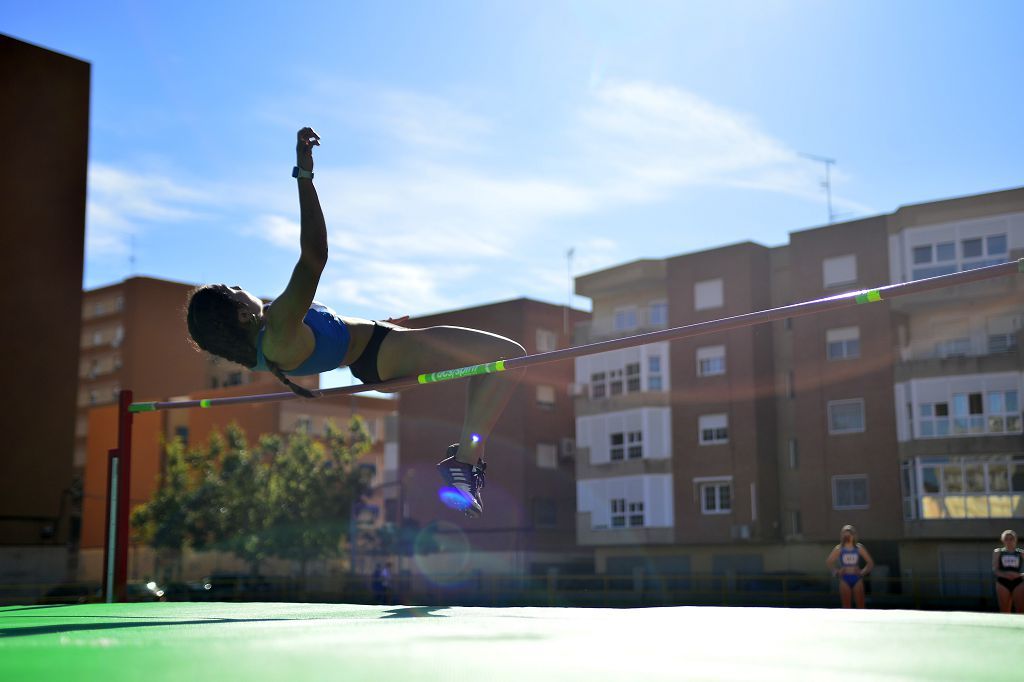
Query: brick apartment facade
x=42, y=219
x=745, y=451
x=528, y=523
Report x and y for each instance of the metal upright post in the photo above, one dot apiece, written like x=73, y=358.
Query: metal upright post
x=123, y=522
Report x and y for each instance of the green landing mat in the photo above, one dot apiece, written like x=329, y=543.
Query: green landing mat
x=277, y=642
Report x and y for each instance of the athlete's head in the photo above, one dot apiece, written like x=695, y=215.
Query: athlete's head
x=223, y=320
x=1009, y=539
x=848, y=535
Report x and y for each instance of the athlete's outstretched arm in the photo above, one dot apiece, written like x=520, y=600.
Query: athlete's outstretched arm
x=284, y=317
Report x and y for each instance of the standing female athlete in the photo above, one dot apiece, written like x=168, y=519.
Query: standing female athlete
x=1008, y=566
x=844, y=562
x=295, y=336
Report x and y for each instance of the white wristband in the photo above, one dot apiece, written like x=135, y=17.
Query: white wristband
x=301, y=173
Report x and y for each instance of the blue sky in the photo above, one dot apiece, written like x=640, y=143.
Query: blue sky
x=468, y=145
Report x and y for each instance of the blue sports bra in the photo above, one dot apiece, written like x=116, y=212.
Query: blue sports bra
x=331, y=336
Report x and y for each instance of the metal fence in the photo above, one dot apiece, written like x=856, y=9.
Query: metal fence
x=932, y=592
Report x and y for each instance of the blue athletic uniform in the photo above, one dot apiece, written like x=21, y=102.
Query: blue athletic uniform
x=332, y=338
x=849, y=559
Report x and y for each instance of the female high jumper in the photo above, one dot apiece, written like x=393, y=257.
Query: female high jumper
x=847, y=554
x=293, y=335
x=1008, y=567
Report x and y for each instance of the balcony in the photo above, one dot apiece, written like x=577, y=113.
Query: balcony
x=619, y=467
x=1012, y=360
x=587, y=536
x=604, y=328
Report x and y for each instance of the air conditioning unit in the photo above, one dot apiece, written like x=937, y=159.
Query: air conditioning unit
x=576, y=390
x=567, y=448
x=741, y=532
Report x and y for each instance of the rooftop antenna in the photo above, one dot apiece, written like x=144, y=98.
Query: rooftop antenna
x=568, y=301
x=827, y=183
x=131, y=259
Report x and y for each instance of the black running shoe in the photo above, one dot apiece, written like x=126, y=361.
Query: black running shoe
x=463, y=481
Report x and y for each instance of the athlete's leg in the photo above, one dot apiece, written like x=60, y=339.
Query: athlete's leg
x=406, y=352
x=1004, y=598
x=858, y=594
x=844, y=594
x=1018, y=598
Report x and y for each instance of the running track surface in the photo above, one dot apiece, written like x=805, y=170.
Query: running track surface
x=282, y=642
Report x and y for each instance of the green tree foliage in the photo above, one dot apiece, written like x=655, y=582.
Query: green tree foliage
x=288, y=497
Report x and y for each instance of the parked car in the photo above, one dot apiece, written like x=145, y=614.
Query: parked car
x=72, y=593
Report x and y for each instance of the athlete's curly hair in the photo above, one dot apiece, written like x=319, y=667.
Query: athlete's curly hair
x=213, y=325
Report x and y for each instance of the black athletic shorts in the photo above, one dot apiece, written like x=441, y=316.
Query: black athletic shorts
x=365, y=366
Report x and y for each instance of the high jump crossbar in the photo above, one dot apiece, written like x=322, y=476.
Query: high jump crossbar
x=116, y=546
x=814, y=307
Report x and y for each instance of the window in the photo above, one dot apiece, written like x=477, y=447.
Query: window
x=933, y=420
x=850, y=492
x=303, y=424
x=545, y=512
x=654, y=378
x=233, y=379
x=953, y=348
x=615, y=382
x=636, y=513
x=181, y=433
x=625, y=319
x=794, y=454
x=965, y=487
x=846, y=416
x=547, y=340
x=716, y=497
x=547, y=455
x=617, y=442
x=1002, y=333
x=618, y=512
x=708, y=294
x=710, y=361
x=633, y=377
x=932, y=260
x=991, y=412
x=635, y=441
x=598, y=389
x=842, y=343
x=839, y=270
x=545, y=397
x=97, y=337
x=658, y=314
x=713, y=429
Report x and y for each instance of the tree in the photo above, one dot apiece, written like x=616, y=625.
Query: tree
x=289, y=497
x=313, y=487
x=161, y=522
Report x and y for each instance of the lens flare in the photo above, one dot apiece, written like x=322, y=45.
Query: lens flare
x=453, y=498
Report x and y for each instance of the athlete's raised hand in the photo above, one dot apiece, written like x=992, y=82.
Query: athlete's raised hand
x=304, y=148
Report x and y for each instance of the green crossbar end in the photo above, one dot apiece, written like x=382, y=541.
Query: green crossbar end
x=204, y=403
x=869, y=296
x=142, y=407
x=448, y=374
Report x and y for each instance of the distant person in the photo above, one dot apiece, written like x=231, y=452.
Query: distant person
x=1008, y=566
x=845, y=562
x=381, y=583
x=296, y=336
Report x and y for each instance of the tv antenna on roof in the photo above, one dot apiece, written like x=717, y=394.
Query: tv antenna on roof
x=827, y=183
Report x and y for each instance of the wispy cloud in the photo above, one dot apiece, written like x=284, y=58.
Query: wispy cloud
x=120, y=202
x=439, y=219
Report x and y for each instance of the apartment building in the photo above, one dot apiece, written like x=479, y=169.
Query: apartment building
x=745, y=451
x=134, y=336
x=528, y=525
x=42, y=217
